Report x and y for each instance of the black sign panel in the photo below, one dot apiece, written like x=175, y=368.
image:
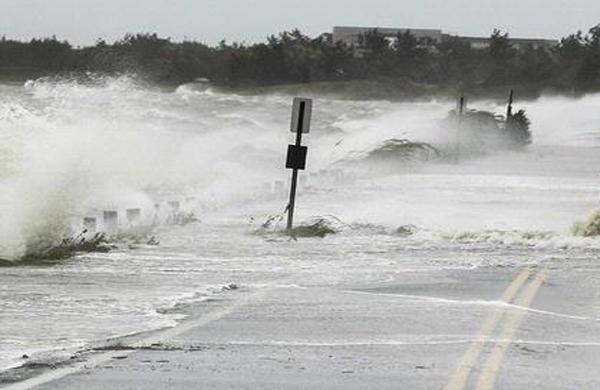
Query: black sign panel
x=296, y=157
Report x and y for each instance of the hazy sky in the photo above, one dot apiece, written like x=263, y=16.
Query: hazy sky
x=83, y=21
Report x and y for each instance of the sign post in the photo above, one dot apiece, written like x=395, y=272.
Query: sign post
x=462, y=102
x=509, y=109
x=296, y=154
x=460, y=112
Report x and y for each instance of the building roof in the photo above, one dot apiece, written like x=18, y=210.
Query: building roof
x=350, y=33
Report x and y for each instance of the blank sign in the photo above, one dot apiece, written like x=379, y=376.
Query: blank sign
x=301, y=115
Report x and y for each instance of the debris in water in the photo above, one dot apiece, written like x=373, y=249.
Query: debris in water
x=483, y=131
x=69, y=247
x=182, y=219
x=153, y=241
x=319, y=227
x=230, y=287
x=404, y=149
x=138, y=236
x=271, y=220
x=517, y=128
x=399, y=150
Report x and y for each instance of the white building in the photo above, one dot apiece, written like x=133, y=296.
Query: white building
x=351, y=36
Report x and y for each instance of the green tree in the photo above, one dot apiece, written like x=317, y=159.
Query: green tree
x=500, y=55
x=374, y=43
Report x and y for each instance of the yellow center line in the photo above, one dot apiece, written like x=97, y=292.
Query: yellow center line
x=487, y=378
x=459, y=379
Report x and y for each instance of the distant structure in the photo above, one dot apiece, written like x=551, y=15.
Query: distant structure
x=517, y=43
x=351, y=36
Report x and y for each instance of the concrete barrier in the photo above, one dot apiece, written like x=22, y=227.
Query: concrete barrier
x=110, y=221
x=134, y=216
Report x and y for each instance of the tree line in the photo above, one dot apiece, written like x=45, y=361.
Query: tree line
x=291, y=57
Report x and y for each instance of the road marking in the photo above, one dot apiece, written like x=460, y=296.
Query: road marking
x=459, y=379
x=160, y=336
x=488, y=376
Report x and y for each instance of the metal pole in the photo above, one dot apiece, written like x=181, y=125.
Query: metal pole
x=460, y=113
x=509, y=110
x=292, y=204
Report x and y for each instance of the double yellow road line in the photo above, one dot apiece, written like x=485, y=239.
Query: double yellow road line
x=489, y=372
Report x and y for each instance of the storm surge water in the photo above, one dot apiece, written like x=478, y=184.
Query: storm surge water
x=406, y=192
x=72, y=148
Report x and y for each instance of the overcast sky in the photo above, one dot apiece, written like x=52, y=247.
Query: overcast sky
x=84, y=21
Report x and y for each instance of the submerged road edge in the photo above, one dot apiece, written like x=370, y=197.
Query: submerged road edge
x=159, y=336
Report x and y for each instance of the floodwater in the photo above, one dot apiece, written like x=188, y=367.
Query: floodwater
x=70, y=150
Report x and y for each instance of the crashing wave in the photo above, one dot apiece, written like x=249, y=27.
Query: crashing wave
x=406, y=230
x=73, y=80
x=504, y=237
x=67, y=248
x=200, y=87
x=589, y=228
